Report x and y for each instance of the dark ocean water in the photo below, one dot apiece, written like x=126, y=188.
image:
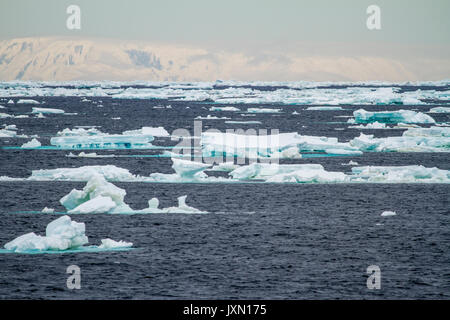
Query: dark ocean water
x=269, y=241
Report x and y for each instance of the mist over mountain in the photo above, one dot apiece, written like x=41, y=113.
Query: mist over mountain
x=63, y=59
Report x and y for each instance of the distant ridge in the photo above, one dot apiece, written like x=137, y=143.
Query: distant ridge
x=63, y=59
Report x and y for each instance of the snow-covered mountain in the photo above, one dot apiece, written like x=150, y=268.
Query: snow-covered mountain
x=61, y=59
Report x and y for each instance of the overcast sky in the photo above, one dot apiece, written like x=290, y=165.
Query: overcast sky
x=233, y=22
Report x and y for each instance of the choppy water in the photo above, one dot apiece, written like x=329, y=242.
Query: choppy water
x=258, y=241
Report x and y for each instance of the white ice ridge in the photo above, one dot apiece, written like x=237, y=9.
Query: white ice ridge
x=61, y=234
x=34, y=143
x=315, y=173
x=433, y=139
x=388, y=213
x=440, y=110
x=214, y=108
x=283, y=145
x=405, y=116
x=95, y=139
x=10, y=131
x=85, y=173
x=263, y=110
x=100, y=196
x=47, y=110
x=328, y=108
x=28, y=101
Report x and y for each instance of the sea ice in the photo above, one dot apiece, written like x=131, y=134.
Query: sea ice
x=388, y=213
x=34, y=143
x=47, y=110
x=27, y=101
x=100, y=196
x=224, y=109
x=440, y=110
x=405, y=116
x=60, y=234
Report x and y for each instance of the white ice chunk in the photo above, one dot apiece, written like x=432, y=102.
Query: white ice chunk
x=47, y=110
x=34, y=143
x=440, y=110
x=388, y=213
x=48, y=210
x=85, y=173
x=27, y=101
x=405, y=116
x=60, y=234
x=214, y=108
x=112, y=244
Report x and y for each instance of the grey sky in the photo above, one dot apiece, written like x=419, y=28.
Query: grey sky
x=233, y=23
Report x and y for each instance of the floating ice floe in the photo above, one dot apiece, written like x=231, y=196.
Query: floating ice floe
x=10, y=101
x=350, y=163
x=61, y=234
x=47, y=111
x=405, y=116
x=85, y=173
x=34, y=143
x=10, y=131
x=440, y=110
x=299, y=173
x=100, y=196
x=399, y=174
x=433, y=139
x=243, y=122
x=234, y=109
x=2, y=107
x=148, y=131
x=270, y=146
x=210, y=117
x=328, y=108
x=89, y=155
x=263, y=110
x=373, y=125
x=48, y=210
x=224, y=167
x=92, y=138
x=28, y=101
x=388, y=213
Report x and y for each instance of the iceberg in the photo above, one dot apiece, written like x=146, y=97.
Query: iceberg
x=92, y=138
x=399, y=174
x=224, y=109
x=34, y=143
x=27, y=101
x=110, y=244
x=440, y=110
x=405, y=116
x=60, y=234
x=388, y=213
x=433, y=139
x=263, y=110
x=283, y=145
x=372, y=125
x=281, y=173
x=47, y=110
x=100, y=196
x=48, y=210
x=84, y=173
x=148, y=131
x=115, y=141
x=328, y=108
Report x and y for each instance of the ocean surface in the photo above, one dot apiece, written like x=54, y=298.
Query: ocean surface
x=258, y=240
